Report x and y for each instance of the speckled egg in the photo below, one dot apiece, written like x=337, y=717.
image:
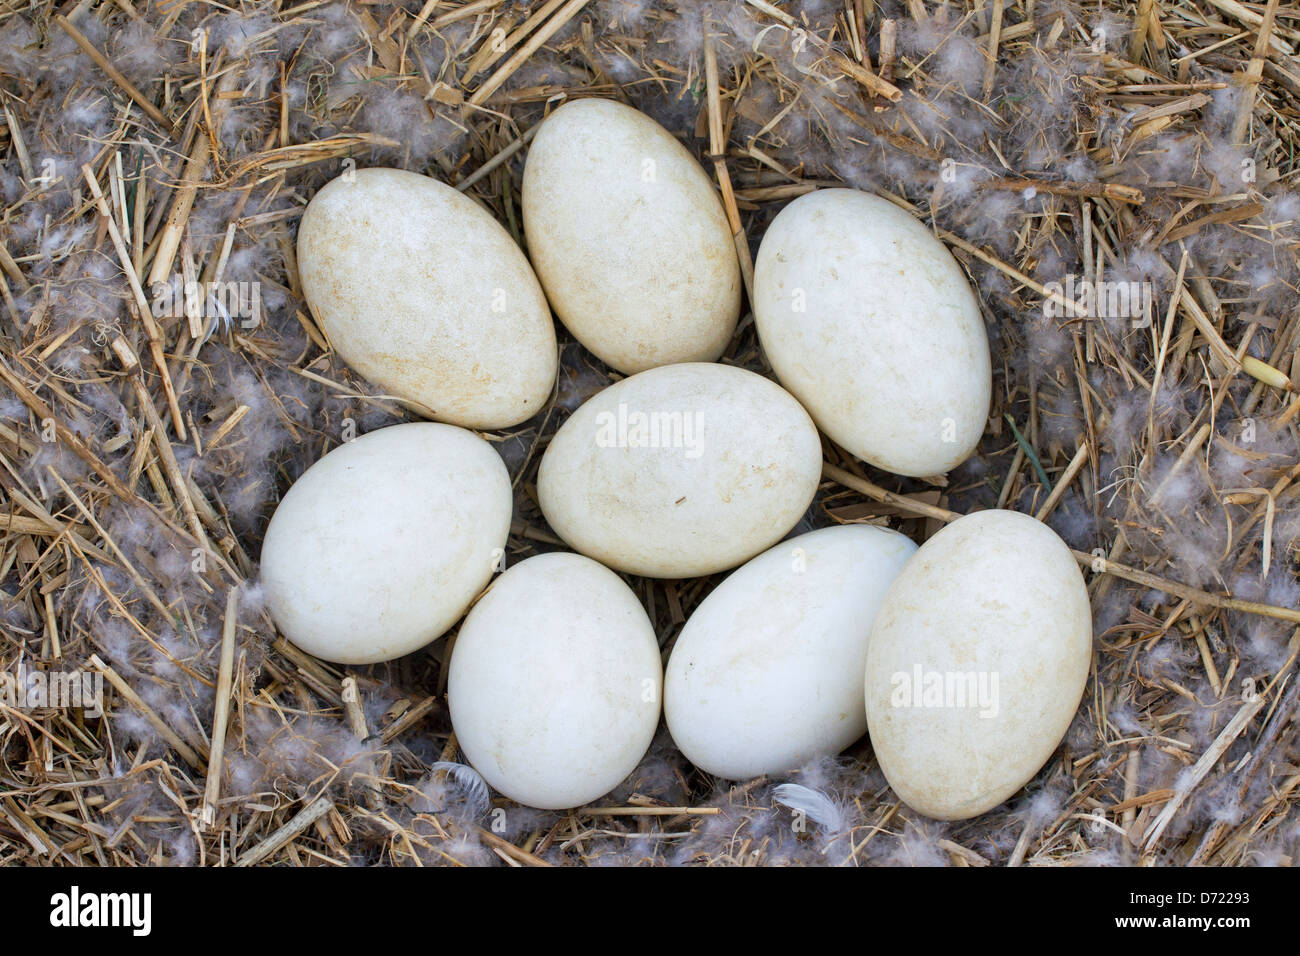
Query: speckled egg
x=977, y=663
x=629, y=238
x=681, y=471
x=421, y=290
x=868, y=320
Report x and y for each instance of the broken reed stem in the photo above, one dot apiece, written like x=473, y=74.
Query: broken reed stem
x=172, y=468
x=304, y=818
x=877, y=493
x=1094, y=562
x=9, y=267
x=1063, y=482
x=1157, y=376
x=507, y=69
x=141, y=301
x=995, y=37
x=1085, y=190
x=499, y=158
x=114, y=74
x=356, y=717
x=221, y=710
x=352, y=708
x=169, y=240
x=1254, y=73
x=718, y=149
x=519, y=854
x=1005, y=268
x=410, y=718
x=174, y=741
x=650, y=811
x=150, y=594
x=492, y=53
x=876, y=85
x=1100, y=565
x=1240, y=720
x=1259, y=370
x=66, y=436
x=420, y=18
x=27, y=828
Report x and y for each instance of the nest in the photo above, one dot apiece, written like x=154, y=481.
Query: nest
x=146, y=433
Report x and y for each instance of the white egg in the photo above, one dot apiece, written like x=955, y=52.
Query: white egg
x=382, y=544
x=681, y=471
x=868, y=320
x=629, y=238
x=767, y=673
x=421, y=291
x=555, y=682
x=977, y=663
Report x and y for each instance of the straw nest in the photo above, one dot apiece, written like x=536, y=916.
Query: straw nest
x=142, y=449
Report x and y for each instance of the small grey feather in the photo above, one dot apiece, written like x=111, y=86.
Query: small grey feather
x=813, y=804
x=471, y=784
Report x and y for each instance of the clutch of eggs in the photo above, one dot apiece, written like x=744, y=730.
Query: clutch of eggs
x=683, y=469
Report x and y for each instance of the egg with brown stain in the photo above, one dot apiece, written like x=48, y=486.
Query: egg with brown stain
x=681, y=471
x=629, y=238
x=977, y=663
x=421, y=291
x=870, y=322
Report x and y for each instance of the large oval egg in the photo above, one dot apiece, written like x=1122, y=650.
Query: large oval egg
x=868, y=320
x=977, y=662
x=382, y=544
x=681, y=471
x=767, y=673
x=629, y=238
x=422, y=291
x=555, y=681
